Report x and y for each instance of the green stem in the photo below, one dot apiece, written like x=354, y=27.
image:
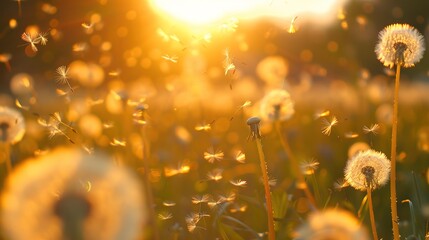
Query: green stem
x=371, y=214
x=393, y=206
x=295, y=166
x=271, y=233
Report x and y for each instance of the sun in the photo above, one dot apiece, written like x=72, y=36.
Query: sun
x=203, y=12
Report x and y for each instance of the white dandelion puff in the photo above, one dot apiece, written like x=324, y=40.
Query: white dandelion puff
x=68, y=185
x=277, y=105
x=332, y=224
x=367, y=168
x=400, y=44
x=12, y=125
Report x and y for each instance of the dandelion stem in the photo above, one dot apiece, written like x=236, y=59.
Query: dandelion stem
x=6, y=149
x=301, y=180
x=393, y=207
x=271, y=233
x=371, y=213
x=149, y=194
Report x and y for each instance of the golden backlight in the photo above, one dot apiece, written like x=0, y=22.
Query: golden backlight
x=201, y=12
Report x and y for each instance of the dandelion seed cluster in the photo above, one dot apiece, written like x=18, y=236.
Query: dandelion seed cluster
x=400, y=44
x=12, y=125
x=332, y=224
x=367, y=168
x=32, y=192
x=277, y=105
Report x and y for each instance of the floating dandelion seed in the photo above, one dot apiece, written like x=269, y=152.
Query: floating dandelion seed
x=228, y=64
x=87, y=25
x=212, y=155
x=165, y=215
x=181, y=169
x=241, y=107
x=200, y=199
x=277, y=105
x=30, y=40
x=19, y=105
x=117, y=142
x=169, y=203
x=63, y=77
x=193, y=219
x=215, y=174
x=340, y=184
x=292, y=28
x=327, y=125
x=43, y=38
x=351, y=135
x=238, y=183
x=372, y=129
x=229, y=198
x=54, y=126
x=321, y=114
x=367, y=168
x=332, y=224
x=169, y=58
x=204, y=127
x=59, y=178
x=230, y=25
x=400, y=44
x=240, y=157
x=238, y=208
x=308, y=167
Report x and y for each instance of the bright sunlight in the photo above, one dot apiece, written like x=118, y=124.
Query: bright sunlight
x=201, y=12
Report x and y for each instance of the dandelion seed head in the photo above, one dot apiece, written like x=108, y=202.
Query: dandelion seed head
x=332, y=224
x=273, y=70
x=34, y=190
x=367, y=168
x=22, y=84
x=400, y=44
x=277, y=105
x=12, y=125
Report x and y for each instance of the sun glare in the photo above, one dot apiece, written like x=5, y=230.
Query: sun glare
x=201, y=12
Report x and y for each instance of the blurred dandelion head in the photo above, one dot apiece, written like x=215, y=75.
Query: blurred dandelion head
x=400, y=44
x=277, y=105
x=12, y=125
x=332, y=224
x=273, y=70
x=39, y=193
x=367, y=168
